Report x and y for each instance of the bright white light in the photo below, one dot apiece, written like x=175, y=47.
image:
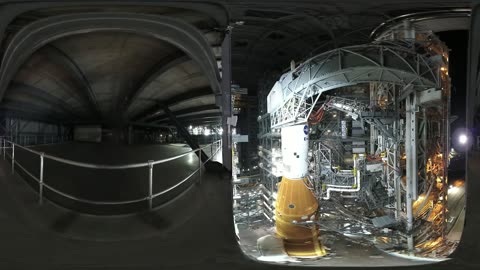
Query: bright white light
x=206, y=132
x=462, y=139
x=190, y=158
x=452, y=189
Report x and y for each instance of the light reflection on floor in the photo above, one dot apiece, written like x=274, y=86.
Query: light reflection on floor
x=348, y=241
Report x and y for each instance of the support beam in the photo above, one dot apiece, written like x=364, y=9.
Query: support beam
x=411, y=153
x=186, y=135
x=204, y=122
x=41, y=95
x=179, y=113
x=61, y=58
x=422, y=150
x=170, y=61
x=190, y=118
x=149, y=125
x=46, y=30
x=226, y=100
x=190, y=95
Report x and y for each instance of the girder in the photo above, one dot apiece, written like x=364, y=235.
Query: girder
x=179, y=113
x=160, y=68
x=301, y=88
x=44, y=31
x=62, y=59
x=43, y=97
x=156, y=109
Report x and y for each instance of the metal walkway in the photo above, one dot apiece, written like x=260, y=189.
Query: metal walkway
x=195, y=228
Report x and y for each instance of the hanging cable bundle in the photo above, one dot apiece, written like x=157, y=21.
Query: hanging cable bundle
x=316, y=117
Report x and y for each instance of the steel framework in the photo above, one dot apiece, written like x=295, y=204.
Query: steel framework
x=302, y=87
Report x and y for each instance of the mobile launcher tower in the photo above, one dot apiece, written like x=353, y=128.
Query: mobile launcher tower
x=363, y=116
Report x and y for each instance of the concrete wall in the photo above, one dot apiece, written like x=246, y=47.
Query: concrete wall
x=87, y=133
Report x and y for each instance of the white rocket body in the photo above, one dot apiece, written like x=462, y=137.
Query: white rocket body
x=295, y=151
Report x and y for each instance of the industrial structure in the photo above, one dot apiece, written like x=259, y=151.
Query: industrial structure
x=360, y=138
x=132, y=131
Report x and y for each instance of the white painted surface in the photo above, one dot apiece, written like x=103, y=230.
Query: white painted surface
x=294, y=151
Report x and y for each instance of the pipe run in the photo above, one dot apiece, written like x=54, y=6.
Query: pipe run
x=356, y=177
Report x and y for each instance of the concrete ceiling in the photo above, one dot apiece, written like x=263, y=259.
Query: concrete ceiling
x=113, y=74
x=268, y=36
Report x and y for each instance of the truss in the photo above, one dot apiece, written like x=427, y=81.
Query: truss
x=302, y=87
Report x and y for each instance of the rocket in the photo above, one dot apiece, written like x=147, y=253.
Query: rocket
x=296, y=203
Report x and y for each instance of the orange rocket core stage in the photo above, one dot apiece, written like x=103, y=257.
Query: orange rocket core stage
x=295, y=202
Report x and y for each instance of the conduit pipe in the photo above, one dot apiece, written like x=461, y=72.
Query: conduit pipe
x=346, y=188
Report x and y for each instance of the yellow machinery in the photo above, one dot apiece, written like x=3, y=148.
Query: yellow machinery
x=296, y=203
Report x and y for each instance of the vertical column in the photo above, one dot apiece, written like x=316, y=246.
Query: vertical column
x=423, y=150
x=40, y=191
x=373, y=133
x=396, y=155
x=59, y=133
x=13, y=158
x=150, y=184
x=17, y=130
x=192, y=142
x=130, y=130
x=226, y=101
x=411, y=153
x=200, y=167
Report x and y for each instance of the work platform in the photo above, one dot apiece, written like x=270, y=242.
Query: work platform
x=194, y=228
x=105, y=184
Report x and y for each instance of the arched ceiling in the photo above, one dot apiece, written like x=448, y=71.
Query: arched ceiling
x=103, y=73
x=119, y=75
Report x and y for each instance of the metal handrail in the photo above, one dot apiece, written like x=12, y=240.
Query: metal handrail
x=148, y=164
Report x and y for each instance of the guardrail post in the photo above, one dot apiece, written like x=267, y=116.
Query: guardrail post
x=150, y=184
x=13, y=158
x=40, y=188
x=200, y=165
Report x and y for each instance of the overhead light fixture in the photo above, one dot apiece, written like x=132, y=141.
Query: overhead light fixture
x=462, y=139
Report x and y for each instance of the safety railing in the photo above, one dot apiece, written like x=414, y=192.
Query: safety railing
x=7, y=144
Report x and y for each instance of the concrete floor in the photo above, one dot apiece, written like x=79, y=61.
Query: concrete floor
x=181, y=233
x=193, y=231
x=456, y=213
x=109, y=185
